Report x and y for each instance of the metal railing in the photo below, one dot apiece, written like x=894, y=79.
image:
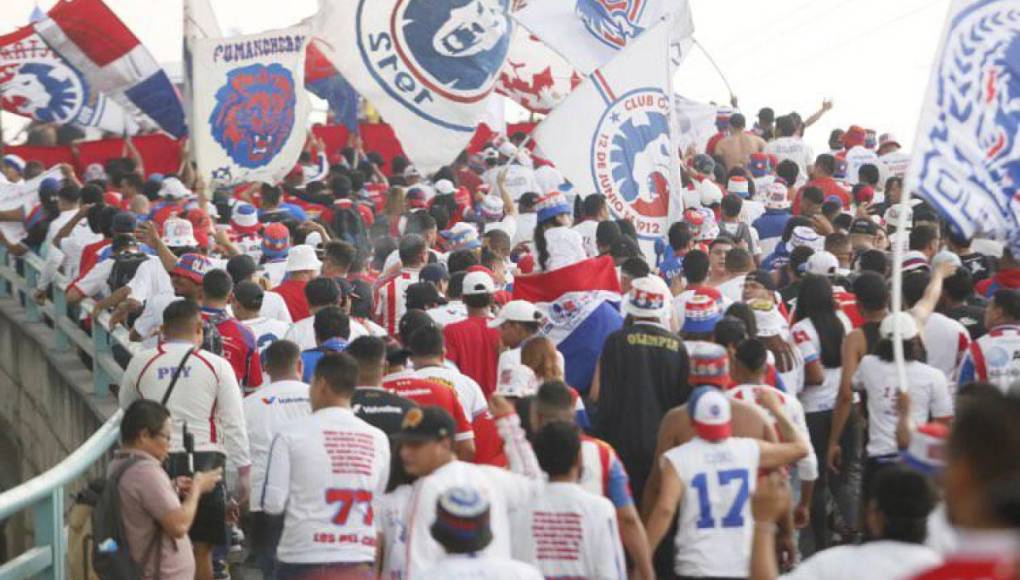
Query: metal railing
x=44, y=494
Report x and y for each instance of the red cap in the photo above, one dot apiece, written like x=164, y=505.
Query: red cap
x=854, y=136
x=202, y=225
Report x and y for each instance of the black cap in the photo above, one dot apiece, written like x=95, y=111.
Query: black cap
x=422, y=295
x=434, y=273
x=249, y=295
x=426, y=424
x=864, y=226
x=123, y=223
x=241, y=267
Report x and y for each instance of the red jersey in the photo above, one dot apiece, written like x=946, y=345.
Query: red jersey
x=293, y=293
x=432, y=394
x=829, y=187
x=239, y=348
x=90, y=256
x=474, y=348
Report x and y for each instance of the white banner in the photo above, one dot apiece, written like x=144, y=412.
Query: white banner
x=251, y=108
x=590, y=33
x=199, y=22
x=967, y=157
x=428, y=67
x=613, y=135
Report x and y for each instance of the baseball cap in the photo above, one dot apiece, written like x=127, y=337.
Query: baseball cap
x=926, y=451
x=275, y=240
x=710, y=365
x=915, y=260
x=462, y=236
x=249, y=294
x=478, y=283
x=491, y=208
x=12, y=160
x=822, y=263
x=711, y=196
x=193, y=267
x=887, y=139
x=244, y=218
x=124, y=222
x=516, y=311
x=758, y=164
x=445, y=187
x=806, y=236
x=173, y=188
x=552, y=205
x=855, y=135
x=422, y=295
x=701, y=313
x=738, y=184
x=709, y=410
x=767, y=318
x=703, y=164
x=462, y=517
x=434, y=273
x=864, y=194
x=415, y=198
x=301, y=258
x=864, y=226
x=649, y=297
x=517, y=380
x=425, y=424
x=49, y=186
x=908, y=326
x=179, y=233
x=776, y=196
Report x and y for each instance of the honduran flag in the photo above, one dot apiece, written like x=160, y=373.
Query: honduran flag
x=90, y=36
x=581, y=307
x=324, y=81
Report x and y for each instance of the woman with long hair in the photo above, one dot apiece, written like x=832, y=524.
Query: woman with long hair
x=539, y=354
x=557, y=244
x=818, y=331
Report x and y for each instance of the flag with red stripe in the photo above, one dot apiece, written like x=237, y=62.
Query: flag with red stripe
x=589, y=275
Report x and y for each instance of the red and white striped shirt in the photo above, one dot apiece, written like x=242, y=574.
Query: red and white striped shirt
x=391, y=298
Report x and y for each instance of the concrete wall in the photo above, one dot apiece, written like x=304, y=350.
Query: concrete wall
x=45, y=409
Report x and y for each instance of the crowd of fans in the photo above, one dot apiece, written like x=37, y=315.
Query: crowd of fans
x=333, y=372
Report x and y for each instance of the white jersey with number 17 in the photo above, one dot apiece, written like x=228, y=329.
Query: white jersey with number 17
x=713, y=536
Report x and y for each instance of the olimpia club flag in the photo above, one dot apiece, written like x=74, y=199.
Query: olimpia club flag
x=967, y=157
x=251, y=107
x=427, y=66
x=590, y=33
x=38, y=83
x=90, y=37
x=613, y=135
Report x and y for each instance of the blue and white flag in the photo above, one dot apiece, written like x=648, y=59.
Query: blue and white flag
x=590, y=33
x=251, y=107
x=614, y=135
x=967, y=156
x=428, y=67
x=579, y=322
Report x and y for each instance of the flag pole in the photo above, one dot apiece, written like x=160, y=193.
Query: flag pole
x=715, y=66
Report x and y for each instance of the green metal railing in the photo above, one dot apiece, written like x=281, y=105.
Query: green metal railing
x=44, y=495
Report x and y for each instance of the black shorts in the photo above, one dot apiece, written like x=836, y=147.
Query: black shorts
x=210, y=525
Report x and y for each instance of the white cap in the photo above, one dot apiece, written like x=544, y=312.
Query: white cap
x=15, y=161
x=710, y=193
x=301, y=258
x=516, y=311
x=517, y=380
x=173, y=188
x=776, y=196
x=508, y=149
x=476, y=283
x=822, y=263
x=649, y=297
x=806, y=236
x=908, y=325
x=445, y=187
x=179, y=233
x=893, y=219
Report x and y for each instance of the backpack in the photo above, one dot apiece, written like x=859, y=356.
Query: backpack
x=212, y=340
x=348, y=225
x=111, y=555
x=124, y=267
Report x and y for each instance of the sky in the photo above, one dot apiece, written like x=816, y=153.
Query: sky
x=871, y=57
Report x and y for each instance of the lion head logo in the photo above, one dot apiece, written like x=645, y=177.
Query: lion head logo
x=613, y=22
x=43, y=91
x=254, y=113
x=641, y=162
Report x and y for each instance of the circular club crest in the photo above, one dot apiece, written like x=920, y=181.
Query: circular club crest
x=44, y=89
x=631, y=159
x=423, y=50
x=254, y=113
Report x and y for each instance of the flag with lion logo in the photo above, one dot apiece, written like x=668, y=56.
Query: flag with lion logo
x=251, y=108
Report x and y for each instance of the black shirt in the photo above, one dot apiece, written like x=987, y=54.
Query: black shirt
x=643, y=374
x=381, y=409
x=980, y=266
x=971, y=317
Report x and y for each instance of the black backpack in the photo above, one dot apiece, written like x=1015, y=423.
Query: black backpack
x=212, y=340
x=348, y=226
x=111, y=555
x=125, y=265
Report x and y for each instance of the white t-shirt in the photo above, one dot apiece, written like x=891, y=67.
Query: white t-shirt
x=807, y=467
x=302, y=333
x=150, y=280
x=390, y=515
x=857, y=157
x=326, y=473
x=565, y=248
x=519, y=180
x=821, y=397
x=275, y=271
x=733, y=289
x=569, y=533
x=453, y=311
x=794, y=149
x=929, y=398
x=525, y=231
x=474, y=567
x=506, y=492
x=587, y=230
x=274, y=405
x=273, y=306
x=945, y=341
x=883, y=559
x=714, y=526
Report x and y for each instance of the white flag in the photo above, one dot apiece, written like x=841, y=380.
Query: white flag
x=590, y=33
x=251, y=108
x=613, y=134
x=967, y=158
x=199, y=22
x=428, y=67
